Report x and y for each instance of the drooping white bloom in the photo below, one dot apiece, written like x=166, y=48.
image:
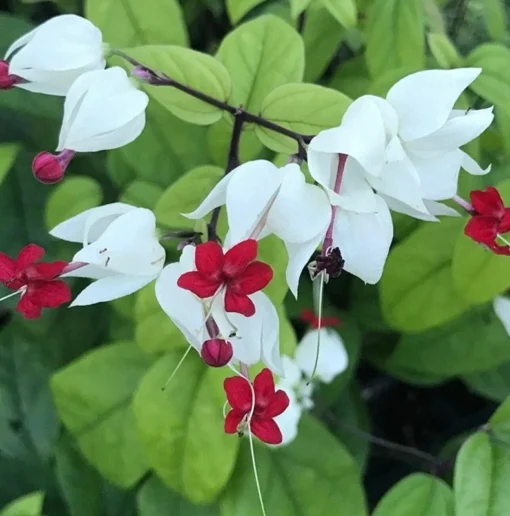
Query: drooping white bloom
x=502, y=308
x=103, y=110
x=406, y=147
x=121, y=249
x=52, y=56
x=253, y=338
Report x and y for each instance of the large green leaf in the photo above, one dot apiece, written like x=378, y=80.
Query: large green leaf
x=395, y=35
x=130, y=22
x=493, y=384
x=417, y=494
x=443, y=50
x=499, y=423
x=494, y=82
x=193, y=69
x=298, y=6
x=93, y=397
x=253, y=52
x=181, y=427
x=272, y=251
x=417, y=289
x=142, y=194
x=8, y=153
x=28, y=505
x=496, y=20
x=236, y=9
x=344, y=11
x=303, y=108
x=313, y=476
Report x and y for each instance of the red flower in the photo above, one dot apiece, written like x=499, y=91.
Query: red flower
x=268, y=405
x=313, y=320
x=490, y=219
x=36, y=281
x=235, y=270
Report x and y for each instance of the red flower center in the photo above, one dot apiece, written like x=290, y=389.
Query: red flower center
x=236, y=271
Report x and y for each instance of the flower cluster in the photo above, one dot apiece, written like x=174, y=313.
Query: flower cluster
x=400, y=153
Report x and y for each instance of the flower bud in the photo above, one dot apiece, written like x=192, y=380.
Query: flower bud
x=7, y=81
x=217, y=352
x=50, y=168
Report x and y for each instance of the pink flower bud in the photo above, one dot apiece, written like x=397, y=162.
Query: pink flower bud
x=217, y=352
x=7, y=81
x=50, y=168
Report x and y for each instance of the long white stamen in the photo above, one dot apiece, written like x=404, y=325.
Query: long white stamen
x=12, y=294
x=503, y=239
x=318, y=294
x=176, y=368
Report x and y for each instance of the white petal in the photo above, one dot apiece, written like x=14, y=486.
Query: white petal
x=292, y=373
x=362, y=135
x=462, y=127
x=438, y=208
x=89, y=271
x=424, y=100
x=299, y=256
x=128, y=246
x=110, y=288
x=400, y=207
x=400, y=181
x=270, y=333
x=439, y=175
x=502, y=308
x=96, y=219
x=300, y=211
x=471, y=166
x=216, y=197
x=288, y=421
x=185, y=310
x=364, y=240
x=333, y=358
x=20, y=42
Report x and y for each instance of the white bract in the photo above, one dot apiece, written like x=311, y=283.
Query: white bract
x=52, y=56
x=405, y=147
x=502, y=308
x=103, y=110
x=256, y=338
x=120, y=246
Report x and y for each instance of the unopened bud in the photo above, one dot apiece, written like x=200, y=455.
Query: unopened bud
x=50, y=168
x=7, y=81
x=217, y=352
x=141, y=73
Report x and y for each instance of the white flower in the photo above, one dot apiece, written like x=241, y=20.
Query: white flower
x=120, y=247
x=52, y=56
x=406, y=147
x=253, y=338
x=103, y=110
x=502, y=308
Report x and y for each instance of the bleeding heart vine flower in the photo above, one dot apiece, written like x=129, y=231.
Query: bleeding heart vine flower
x=258, y=414
x=52, y=56
x=103, y=110
x=405, y=147
x=36, y=283
x=208, y=328
x=489, y=220
x=120, y=247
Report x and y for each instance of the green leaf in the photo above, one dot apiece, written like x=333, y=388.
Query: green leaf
x=181, y=427
x=236, y=9
x=142, y=194
x=478, y=274
x=272, y=251
x=302, y=108
x=496, y=20
x=74, y=195
x=499, y=423
x=28, y=505
x=454, y=348
x=93, y=398
x=344, y=11
x=252, y=53
x=395, y=35
x=155, y=499
x=493, y=384
x=8, y=153
x=383, y=82
x=298, y=6
x=417, y=494
x=417, y=289
x=130, y=22
x=185, y=195
x=443, y=50
x=193, y=69
x=494, y=82
x=313, y=475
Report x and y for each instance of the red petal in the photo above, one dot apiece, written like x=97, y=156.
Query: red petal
x=238, y=303
x=233, y=420
x=209, y=259
x=238, y=258
x=238, y=393
x=504, y=224
x=499, y=249
x=482, y=229
x=254, y=278
x=45, y=271
x=28, y=255
x=278, y=404
x=266, y=430
x=27, y=308
x=264, y=387
x=48, y=294
x=200, y=285
x=7, y=268
x=487, y=203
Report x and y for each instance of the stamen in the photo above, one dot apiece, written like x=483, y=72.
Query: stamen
x=504, y=240
x=176, y=368
x=318, y=294
x=12, y=294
